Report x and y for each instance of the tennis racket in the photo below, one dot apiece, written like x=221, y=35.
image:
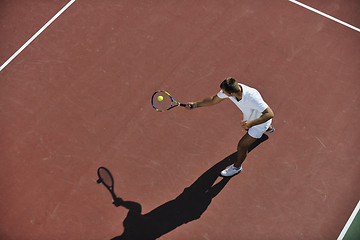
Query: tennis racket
x=107, y=180
x=162, y=101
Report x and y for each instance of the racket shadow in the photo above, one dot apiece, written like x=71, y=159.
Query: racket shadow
x=187, y=207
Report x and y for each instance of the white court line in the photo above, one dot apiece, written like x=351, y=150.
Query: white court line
x=36, y=34
x=349, y=222
x=325, y=15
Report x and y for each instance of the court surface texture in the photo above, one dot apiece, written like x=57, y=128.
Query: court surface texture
x=77, y=97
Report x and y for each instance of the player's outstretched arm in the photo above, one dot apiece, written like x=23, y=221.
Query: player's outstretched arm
x=209, y=101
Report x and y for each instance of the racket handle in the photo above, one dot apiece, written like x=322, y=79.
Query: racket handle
x=184, y=105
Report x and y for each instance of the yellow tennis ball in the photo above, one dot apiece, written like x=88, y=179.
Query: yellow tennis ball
x=160, y=98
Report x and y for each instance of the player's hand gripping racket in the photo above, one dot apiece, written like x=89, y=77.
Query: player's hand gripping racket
x=107, y=180
x=162, y=101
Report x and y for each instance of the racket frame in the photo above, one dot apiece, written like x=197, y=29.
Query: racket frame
x=174, y=103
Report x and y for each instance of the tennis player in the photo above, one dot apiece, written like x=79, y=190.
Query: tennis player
x=257, y=116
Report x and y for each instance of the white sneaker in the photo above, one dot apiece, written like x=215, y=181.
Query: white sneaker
x=271, y=130
x=231, y=171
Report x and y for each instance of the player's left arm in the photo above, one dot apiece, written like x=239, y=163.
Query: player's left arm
x=267, y=114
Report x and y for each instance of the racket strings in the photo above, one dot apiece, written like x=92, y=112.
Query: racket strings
x=165, y=103
x=106, y=177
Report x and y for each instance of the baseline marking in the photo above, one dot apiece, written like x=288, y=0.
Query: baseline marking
x=36, y=35
x=349, y=222
x=325, y=15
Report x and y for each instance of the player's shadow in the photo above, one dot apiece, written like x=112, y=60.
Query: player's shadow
x=188, y=206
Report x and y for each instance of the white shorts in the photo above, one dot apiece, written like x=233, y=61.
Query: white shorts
x=258, y=130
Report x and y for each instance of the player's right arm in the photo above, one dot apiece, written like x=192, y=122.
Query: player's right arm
x=209, y=101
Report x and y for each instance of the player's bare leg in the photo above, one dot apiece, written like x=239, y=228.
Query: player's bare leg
x=243, y=146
